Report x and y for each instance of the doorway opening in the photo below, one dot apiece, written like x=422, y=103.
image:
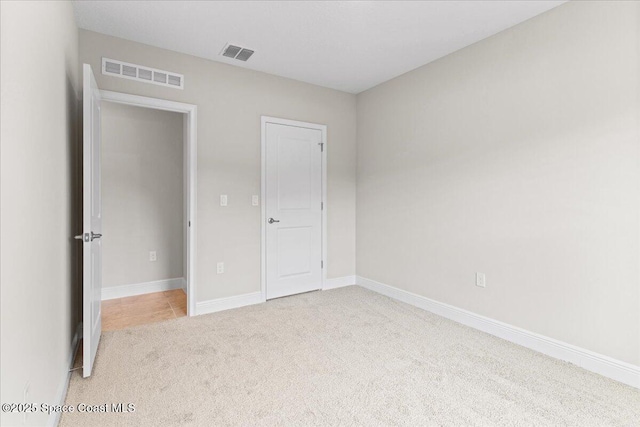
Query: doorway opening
x=146, y=207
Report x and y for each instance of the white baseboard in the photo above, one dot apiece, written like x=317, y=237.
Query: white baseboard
x=604, y=365
x=339, y=282
x=220, y=304
x=61, y=393
x=122, y=291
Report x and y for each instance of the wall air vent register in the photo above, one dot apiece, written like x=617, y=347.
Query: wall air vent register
x=125, y=70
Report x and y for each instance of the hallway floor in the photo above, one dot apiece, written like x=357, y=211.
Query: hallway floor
x=121, y=313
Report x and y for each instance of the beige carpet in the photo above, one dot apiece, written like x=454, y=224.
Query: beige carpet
x=341, y=357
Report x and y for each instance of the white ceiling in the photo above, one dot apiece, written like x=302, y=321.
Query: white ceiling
x=345, y=45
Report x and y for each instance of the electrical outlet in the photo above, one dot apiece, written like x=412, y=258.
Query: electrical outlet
x=481, y=280
x=223, y=200
x=220, y=267
x=255, y=201
x=153, y=256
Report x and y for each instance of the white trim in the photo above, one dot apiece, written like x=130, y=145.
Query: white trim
x=220, y=304
x=61, y=393
x=112, y=292
x=263, y=192
x=604, y=365
x=185, y=199
x=339, y=282
x=191, y=111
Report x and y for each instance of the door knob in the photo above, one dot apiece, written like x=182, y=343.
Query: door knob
x=88, y=237
x=271, y=220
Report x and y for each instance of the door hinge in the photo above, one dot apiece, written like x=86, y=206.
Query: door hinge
x=321, y=206
x=189, y=223
x=321, y=264
x=321, y=144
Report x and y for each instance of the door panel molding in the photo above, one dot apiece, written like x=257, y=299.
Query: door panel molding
x=263, y=190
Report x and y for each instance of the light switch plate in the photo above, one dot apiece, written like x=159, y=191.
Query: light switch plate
x=255, y=200
x=223, y=200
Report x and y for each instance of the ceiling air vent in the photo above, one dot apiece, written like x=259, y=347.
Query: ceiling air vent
x=244, y=54
x=236, y=52
x=231, y=51
x=143, y=74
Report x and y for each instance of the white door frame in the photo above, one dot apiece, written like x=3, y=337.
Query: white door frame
x=191, y=112
x=263, y=193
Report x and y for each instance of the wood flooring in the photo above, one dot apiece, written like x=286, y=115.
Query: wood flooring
x=123, y=313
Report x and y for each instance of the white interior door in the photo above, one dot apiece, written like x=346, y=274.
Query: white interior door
x=91, y=221
x=293, y=247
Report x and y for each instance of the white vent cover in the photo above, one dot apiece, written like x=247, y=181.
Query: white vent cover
x=112, y=67
x=236, y=52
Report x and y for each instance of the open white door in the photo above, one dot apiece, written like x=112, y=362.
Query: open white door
x=91, y=221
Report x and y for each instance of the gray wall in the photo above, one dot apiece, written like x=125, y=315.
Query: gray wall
x=230, y=102
x=38, y=204
x=517, y=157
x=142, y=194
